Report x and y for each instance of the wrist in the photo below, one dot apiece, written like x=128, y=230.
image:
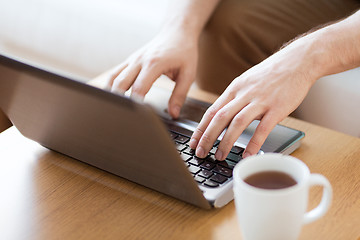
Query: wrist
x=188, y=17
x=183, y=28
x=317, y=60
x=315, y=55
x=329, y=50
x=324, y=54
x=304, y=56
x=336, y=47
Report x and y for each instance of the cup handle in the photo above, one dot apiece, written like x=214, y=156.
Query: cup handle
x=321, y=209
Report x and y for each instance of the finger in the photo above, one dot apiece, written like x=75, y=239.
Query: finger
x=114, y=73
x=145, y=80
x=178, y=96
x=209, y=114
x=218, y=123
x=238, y=124
x=126, y=78
x=267, y=123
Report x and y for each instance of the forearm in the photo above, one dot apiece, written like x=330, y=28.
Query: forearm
x=335, y=48
x=189, y=16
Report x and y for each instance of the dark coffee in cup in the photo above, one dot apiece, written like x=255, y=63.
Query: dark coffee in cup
x=270, y=180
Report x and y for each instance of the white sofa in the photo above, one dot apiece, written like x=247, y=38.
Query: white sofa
x=87, y=37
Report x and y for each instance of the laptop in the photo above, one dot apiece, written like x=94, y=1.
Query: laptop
x=133, y=140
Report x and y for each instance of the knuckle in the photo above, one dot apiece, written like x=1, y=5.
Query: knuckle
x=262, y=129
x=238, y=120
x=222, y=115
x=205, y=139
x=119, y=79
x=152, y=62
x=113, y=76
x=255, y=142
x=211, y=112
x=119, y=83
x=263, y=105
x=232, y=92
x=137, y=58
x=198, y=132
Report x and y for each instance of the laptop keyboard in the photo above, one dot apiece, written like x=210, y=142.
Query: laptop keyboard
x=206, y=171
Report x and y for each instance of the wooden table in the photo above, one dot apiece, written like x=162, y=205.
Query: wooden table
x=46, y=195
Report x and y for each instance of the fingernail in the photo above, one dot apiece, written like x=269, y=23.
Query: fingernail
x=246, y=154
x=218, y=155
x=193, y=142
x=200, y=152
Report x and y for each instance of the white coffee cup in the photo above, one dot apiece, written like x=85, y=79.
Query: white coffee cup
x=276, y=213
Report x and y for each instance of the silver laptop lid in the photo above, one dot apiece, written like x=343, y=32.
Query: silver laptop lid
x=108, y=131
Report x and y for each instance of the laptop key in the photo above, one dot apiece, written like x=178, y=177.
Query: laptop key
x=210, y=183
x=182, y=139
x=179, y=130
x=199, y=179
x=218, y=178
x=189, y=151
x=180, y=147
x=207, y=165
x=237, y=150
x=227, y=163
x=196, y=161
x=233, y=157
x=211, y=158
x=185, y=157
x=173, y=135
x=213, y=151
x=205, y=173
x=223, y=170
x=194, y=169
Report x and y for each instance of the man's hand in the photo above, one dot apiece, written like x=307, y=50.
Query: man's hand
x=171, y=54
x=267, y=92
x=274, y=88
